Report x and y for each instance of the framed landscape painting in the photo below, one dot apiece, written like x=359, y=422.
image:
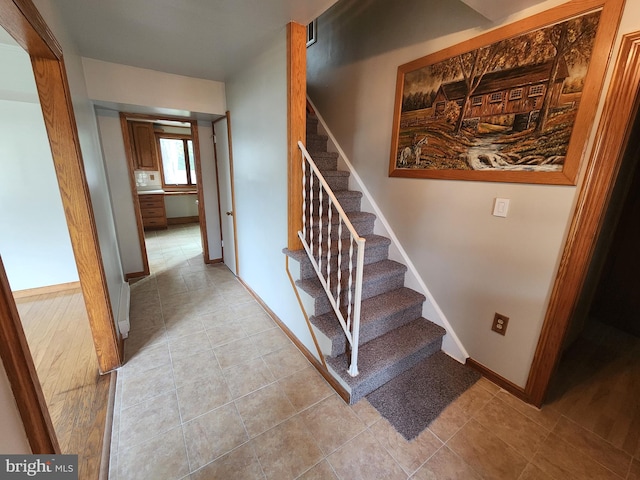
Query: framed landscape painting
x=514, y=105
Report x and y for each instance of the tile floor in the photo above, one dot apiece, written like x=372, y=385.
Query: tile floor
x=214, y=390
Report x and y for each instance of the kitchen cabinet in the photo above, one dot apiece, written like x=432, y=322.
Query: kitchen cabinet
x=154, y=215
x=143, y=140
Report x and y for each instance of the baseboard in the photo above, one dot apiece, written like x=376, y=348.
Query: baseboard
x=181, y=220
x=129, y=276
x=60, y=287
x=105, y=457
x=211, y=261
x=499, y=380
x=305, y=351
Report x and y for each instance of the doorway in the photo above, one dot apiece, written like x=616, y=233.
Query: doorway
x=165, y=172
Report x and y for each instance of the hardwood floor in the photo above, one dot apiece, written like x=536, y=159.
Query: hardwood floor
x=58, y=333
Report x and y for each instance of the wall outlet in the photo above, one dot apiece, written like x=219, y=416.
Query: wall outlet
x=500, y=323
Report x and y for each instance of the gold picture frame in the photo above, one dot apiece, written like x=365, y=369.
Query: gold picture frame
x=515, y=104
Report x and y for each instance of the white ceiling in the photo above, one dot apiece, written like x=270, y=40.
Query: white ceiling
x=208, y=39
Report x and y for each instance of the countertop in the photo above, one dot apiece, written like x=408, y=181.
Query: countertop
x=167, y=192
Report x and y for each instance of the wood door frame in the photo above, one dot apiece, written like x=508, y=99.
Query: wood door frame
x=128, y=147
x=620, y=109
x=227, y=116
x=23, y=22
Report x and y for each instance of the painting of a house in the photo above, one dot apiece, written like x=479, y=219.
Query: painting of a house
x=507, y=106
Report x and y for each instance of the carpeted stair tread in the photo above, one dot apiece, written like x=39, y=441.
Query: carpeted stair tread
x=379, y=315
x=387, y=356
x=371, y=241
x=412, y=400
x=372, y=273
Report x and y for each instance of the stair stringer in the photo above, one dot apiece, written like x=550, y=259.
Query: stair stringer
x=451, y=343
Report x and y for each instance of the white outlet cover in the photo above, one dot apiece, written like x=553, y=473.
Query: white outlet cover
x=501, y=207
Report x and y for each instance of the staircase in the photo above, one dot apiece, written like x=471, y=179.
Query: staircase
x=393, y=334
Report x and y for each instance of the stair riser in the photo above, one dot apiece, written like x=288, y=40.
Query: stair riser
x=371, y=255
x=364, y=227
x=326, y=164
x=335, y=183
x=369, y=289
x=316, y=144
x=389, y=373
x=348, y=204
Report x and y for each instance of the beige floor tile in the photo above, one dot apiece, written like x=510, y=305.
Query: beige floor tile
x=197, y=397
x=199, y=367
x=196, y=280
x=561, y=460
x=213, y=434
x=363, y=458
x=150, y=357
x=460, y=411
x=256, y=323
x=486, y=453
x=161, y=458
x=287, y=450
x=220, y=316
x=270, y=340
x=285, y=362
x=488, y=385
x=148, y=419
x=531, y=472
x=332, y=423
x=147, y=318
x=409, y=455
x=184, y=325
x=138, y=387
x=321, y=471
x=634, y=472
x=247, y=377
x=547, y=417
x=305, y=388
x=247, y=310
x=188, y=345
x=264, y=409
x=445, y=465
x=237, y=297
x=593, y=446
x=236, y=352
x=366, y=412
x=143, y=339
x=239, y=464
x=513, y=428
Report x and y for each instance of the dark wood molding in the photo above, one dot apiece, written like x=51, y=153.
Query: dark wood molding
x=60, y=287
x=132, y=275
x=340, y=390
x=620, y=109
x=296, y=125
x=499, y=380
x=21, y=19
x=22, y=375
x=201, y=210
x=182, y=220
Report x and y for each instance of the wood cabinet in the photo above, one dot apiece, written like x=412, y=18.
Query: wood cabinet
x=143, y=143
x=153, y=212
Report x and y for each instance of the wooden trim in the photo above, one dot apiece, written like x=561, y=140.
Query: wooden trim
x=22, y=375
x=215, y=161
x=340, y=390
x=128, y=150
x=23, y=22
x=620, y=109
x=296, y=125
x=499, y=380
x=60, y=287
x=182, y=220
x=132, y=275
x=201, y=210
x=216, y=260
x=60, y=123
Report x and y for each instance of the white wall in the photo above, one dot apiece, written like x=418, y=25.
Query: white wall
x=474, y=264
x=181, y=205
x=115, y=161
x=13, y=439
x=35, y=242
x=91, y=153
x=122, y=84
x=257, y=100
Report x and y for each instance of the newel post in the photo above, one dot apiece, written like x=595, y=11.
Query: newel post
x=296, y=125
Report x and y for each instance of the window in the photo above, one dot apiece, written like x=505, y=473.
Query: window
x=178, y=161
x=495, y=97
x=536, y=91
x=476, y=101
x=515, y=94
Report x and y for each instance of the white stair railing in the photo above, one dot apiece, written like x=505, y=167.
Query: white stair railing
x=343, y=289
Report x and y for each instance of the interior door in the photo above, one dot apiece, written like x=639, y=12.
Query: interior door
x=224, y=155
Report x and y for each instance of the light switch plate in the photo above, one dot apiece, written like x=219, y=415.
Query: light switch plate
x=501, y=207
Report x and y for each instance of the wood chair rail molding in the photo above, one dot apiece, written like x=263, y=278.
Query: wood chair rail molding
x=620, y=108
